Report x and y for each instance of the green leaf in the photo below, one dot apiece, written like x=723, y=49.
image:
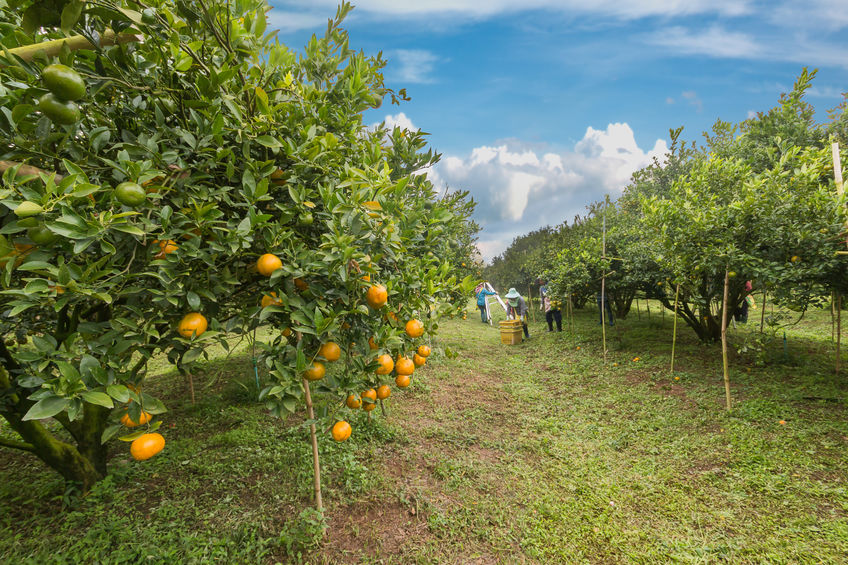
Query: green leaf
x=110, y=432
x=99, y=398
x=71, y=14
x=46, y=408
x=118, y=392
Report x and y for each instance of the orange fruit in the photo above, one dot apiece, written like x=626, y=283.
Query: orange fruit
x=372, y=344
x=392, y=316
x=146, y=446
x=371, y=395
x=301, y=284
x=418, y=360
x=402, y=381
x=315, y=372
x=635, y=359
x=143, y=419
x=330, y=351
x=166, y=247
x=192, y=325
x=366, y=278
x=341, y=430
x=782, y=422
x=271, y=300
x=377, y=296
x=287, y=332
x=414, y=328
x=353, y=401
x=404, y=366
x=267, y=264
x=383, y=392
x=424, y=350
x=386, y=364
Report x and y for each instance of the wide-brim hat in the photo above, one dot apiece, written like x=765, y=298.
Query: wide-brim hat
x=513, y=293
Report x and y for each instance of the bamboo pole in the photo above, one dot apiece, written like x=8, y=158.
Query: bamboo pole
x=838, y=328
x=724, y=339
x=603, y=285
x=530, y=298
x=638, y=312
x=837, y=168
x=27, y=170
x=316, y=465
x=832, y=316
x=674, y=334
x=763, y=311
x=75, y=43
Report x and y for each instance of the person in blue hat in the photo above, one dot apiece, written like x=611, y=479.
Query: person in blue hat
x=517, y=309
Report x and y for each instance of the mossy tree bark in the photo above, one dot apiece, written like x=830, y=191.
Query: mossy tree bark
x=83, y=464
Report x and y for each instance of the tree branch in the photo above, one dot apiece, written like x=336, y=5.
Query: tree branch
x=12, y=444
x=27, y=170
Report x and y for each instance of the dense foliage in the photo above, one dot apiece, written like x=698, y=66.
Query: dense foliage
x=233, y=146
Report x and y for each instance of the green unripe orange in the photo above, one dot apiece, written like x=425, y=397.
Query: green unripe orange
x=59, y=111
x=41, y=236
x=130, y=194
x=64, y=82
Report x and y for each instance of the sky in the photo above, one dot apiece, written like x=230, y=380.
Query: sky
x=540, y=107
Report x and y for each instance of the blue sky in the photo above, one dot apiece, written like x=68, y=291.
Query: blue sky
x=542, y=106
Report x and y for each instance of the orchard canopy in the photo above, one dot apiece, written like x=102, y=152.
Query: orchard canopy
x=756, y=201
x=152, y=153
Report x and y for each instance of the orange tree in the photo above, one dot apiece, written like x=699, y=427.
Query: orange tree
x=233, y=147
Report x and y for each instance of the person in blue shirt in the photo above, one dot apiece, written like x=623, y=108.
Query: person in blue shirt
x=481, y=302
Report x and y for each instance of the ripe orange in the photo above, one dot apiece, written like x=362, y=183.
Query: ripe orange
x=165, y=247
x=782, y=422
x=192, y=325
x=330, y=351
x=404, y=366
x=402, y=381
x=315, y=372
x=372, y=344
x=301, y=284
x=341, y=430
x=146, y=446
x=267, y=264
x=143, y=419
x=271, y=300
x=424, y=350
x=371, y=395
x=287, y=332
x=418, y=360
x=353, y=401
x=386, y=364
x=392, y=316
x=414, y=328
x=383, y=392
x=377, y=296
x=635, y=358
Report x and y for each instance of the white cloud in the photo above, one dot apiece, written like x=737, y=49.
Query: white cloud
x=475, y=9
x=287, y=21
x=400, y=120
x=412, y=65
x=692, y=97
x=714, y=42
x=827, y=91
x=518, y=189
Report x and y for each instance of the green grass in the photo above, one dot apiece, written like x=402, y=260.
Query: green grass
x=536, y=453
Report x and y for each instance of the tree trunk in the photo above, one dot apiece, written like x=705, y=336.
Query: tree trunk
x=81, y=466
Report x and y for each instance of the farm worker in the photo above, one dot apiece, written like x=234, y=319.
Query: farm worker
x=551, y=312
x=517, y=309
x=606, y=306
x=481, y=301
x=741, y=314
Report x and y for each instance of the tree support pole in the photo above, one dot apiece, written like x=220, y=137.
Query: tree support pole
x=763, y=312
x=838, y=328
x=316, y=465
x=724, y=339
x=75, y=43
x=674, y=335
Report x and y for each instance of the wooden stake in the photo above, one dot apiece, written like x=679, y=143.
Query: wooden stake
x=763, y=312
x=530, y=298
x=191, y=387
x=724, y=339
x=638, y=312
x=838, y=328
x=832, y=316
x=604, y=283
x=75, y=43
x=674, y=334
x=316, y=465
x=837, y=168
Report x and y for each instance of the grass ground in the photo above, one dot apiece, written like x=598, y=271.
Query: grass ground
x=536, y=453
